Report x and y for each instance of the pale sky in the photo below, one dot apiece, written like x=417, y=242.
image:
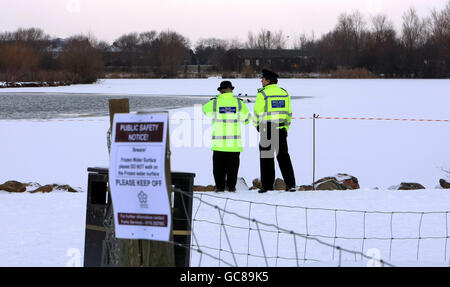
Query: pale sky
x=225, y=19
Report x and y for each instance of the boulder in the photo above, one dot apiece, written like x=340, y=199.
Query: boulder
x=325, y=179
x=410, y=186
x=445, y=184
x=349, y=181
x=279, y=184
x=330, y=184
x=204, y=188
x=66, y=187
x=341, y=181
x=256, y=184
x=306, y=188
x=13, y=186
x=44, y=189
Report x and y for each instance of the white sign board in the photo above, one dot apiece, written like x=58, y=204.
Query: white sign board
x=137, y=177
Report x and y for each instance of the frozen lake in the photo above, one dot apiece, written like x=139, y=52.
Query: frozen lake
x=19, y=105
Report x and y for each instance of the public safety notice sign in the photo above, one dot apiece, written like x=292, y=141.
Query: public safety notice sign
x=137, y=177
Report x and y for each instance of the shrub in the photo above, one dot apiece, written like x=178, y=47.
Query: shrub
x=82, y=62
x=17, y=60
x=355, y=73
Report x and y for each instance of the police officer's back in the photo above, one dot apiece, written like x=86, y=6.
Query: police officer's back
x=227, y=113
x=272, y=117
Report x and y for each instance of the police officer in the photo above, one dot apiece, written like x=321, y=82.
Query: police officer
x=227, y=113
x=272, y=118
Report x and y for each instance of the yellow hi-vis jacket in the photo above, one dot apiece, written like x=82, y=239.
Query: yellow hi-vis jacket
x=273, y=104
x=227, y=113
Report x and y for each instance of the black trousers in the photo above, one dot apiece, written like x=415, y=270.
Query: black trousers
x=225, y=169
x=269, y=147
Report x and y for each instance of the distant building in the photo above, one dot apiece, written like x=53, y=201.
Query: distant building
x=56, y=46
x=255, y=59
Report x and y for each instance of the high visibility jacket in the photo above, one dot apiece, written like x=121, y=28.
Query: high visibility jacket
x=227, y=113
x=273, y=104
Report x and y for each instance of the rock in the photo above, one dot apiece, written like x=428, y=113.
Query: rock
x=204, y=188
x=349, y=181
x=341, y=181
x=256, y=184
x=44, y=189
x=410, y=186
x=444, y=184
x=330, y=184
x=325, y=179
x=66, y=187
x=279, y=184
x=306, y=188
x=13, y=186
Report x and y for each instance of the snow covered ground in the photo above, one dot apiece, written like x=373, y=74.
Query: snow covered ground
x=40, y=230
x=338, y=216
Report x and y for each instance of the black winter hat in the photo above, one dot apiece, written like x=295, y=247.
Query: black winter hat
x=268, y=74
x=224, y=85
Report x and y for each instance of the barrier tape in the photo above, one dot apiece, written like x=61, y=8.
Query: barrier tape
x=207, y=119
x=370, y=119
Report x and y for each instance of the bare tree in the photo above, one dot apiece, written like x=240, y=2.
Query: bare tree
x=349, y=37
x=440, y=21
x=173, y=52
x=23, y=52
x=127, y=42
x=252, y=42
x=17, y=60
x=413, y=30
x=101, y=45
x=146, y=50
x=266, y=40
x=147, y=39
x=304, y=42
x=30, y=35
x=382, y=28
x=359, y=24
x=128, y=46
x=81, y=60
x=440, y=38
x=383, y=50
x=210, y=51
x=235, y=43
x=414, y=37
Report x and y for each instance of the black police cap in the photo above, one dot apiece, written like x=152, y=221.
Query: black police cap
x=268, y=74
x=225, y=85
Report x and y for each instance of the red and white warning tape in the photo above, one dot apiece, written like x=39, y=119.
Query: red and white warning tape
x=370, y=119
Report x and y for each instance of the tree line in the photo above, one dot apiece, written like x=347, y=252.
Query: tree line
x=421, y=49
